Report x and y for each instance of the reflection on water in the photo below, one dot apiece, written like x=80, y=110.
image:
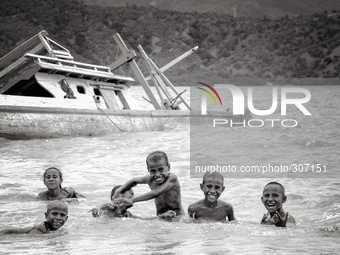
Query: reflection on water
x=93, y=165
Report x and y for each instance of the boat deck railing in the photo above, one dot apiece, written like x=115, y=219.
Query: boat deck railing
x=57, y=65
x=69, y=63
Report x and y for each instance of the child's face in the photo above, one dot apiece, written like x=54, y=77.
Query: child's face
x=52, y=179
x=56, y=217
x=159, y=170
x=273, y=197
x=212, y=188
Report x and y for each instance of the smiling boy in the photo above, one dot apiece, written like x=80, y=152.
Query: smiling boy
x=211, y=207
x=273, y=197
x=165, y=187
x=56, y=216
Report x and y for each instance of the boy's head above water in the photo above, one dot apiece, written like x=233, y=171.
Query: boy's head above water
x=126, y=194
x=57, y=205
x=212, y=186
x=158, y=166
x=157, y=156
x=56, y=214
x=212, y=175
x=273, y=197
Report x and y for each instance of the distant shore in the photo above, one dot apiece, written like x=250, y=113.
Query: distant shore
x=248, y=81
x=253, y=81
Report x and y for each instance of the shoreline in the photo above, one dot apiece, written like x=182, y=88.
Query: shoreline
x=253, y=81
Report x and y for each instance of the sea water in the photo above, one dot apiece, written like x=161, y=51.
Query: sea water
x=93, y=165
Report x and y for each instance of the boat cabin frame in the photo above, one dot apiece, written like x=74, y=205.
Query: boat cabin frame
x=44, y=69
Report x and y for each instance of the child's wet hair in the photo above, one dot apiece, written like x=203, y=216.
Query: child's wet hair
x=156, y=156
x=276, y=183
x=117, y=187
x=55, y=168
x=212, y=173
x=114, y=190
x=57, y=204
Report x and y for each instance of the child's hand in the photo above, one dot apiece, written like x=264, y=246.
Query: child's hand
x=122, y=203
x=116, y=195
x=263, y=220
x=95, y=212
x=167, y=215
x=109, y=207
x=71, y=200
x=278, y=220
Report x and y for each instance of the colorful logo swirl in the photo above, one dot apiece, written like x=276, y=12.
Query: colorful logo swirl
x=213, y=90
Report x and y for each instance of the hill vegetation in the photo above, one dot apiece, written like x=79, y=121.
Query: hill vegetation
x=243, y=8
x=229, y=48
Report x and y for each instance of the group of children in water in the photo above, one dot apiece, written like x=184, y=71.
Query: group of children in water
x=166, y=192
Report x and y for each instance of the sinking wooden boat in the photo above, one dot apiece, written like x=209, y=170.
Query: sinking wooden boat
x=45, y=93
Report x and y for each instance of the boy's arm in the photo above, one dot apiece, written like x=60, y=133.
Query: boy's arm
x=38, y=229
x=231, y=215
x=12, y=231
x=74, y=196
x=192, y=212
x=154, y=193
x=147, y=196
x=42, y=196
x=74, y=193
x=130, y=184
x=17, y=230
x=291, y=219
x=263, y=220
x=167, y=215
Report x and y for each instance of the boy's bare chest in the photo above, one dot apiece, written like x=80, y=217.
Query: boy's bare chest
x=212, y=213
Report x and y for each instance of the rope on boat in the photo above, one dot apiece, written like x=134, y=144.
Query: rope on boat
x=173, y=101
x=147, y=100
x=110, y=120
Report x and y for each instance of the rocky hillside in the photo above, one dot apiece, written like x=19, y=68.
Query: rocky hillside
x=300, y=47
x=243, y=8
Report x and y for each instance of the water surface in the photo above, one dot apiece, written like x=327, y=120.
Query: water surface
x=93, y=165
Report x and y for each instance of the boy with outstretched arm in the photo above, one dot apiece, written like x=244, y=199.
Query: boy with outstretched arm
x=165, y=187
x=273, y=197
x=56, y=216
x=211, y=207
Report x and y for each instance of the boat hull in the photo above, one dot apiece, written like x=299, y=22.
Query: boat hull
x=18, y=122
x=34, y=122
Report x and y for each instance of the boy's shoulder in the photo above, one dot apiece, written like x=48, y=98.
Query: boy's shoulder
x=224, y=203
x=196, y=205
x=173, y=177
x=39, y=229
x=291, y=219
x=43, y=195
x=200, y=204
x=145, y=179
x=67, y=191
x=70, y=192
